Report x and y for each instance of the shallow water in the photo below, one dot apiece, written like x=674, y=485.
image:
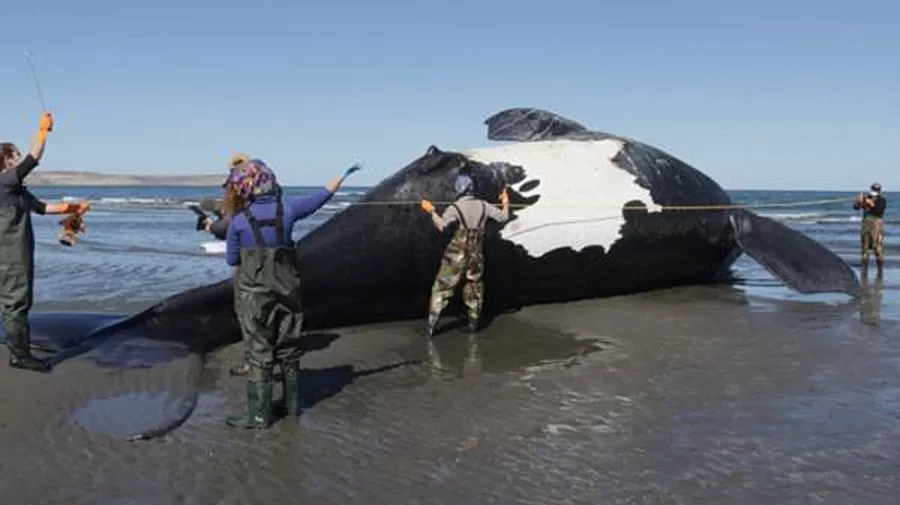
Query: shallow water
x=140, y=245
x=128, y=413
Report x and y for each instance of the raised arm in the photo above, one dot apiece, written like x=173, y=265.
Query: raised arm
x=15, y=175
x=440, y=222
x=499, y=215
x=302, y=207
x=306, y=205
x=40, y=140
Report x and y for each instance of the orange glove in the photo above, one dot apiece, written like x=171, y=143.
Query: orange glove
x=77, y=208
x=427, y=206
x=46, y=122
x=45, y=127
x=504, y=197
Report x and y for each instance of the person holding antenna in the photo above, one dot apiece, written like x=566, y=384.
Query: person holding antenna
x=17, y=244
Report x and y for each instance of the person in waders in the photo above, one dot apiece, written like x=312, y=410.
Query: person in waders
x=269, y=308
x=464, y=255
x=232, y=203
x=871, y=234
x=17, y=244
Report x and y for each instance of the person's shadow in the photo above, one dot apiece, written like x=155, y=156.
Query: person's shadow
x=318, y=384
x=871, y=301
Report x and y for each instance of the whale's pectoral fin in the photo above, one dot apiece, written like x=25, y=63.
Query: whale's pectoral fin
x=527, y=124
x=802, y=263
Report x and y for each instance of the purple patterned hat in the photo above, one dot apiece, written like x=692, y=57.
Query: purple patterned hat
x=253, y=178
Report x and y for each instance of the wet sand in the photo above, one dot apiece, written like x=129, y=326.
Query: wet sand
x=683, y=396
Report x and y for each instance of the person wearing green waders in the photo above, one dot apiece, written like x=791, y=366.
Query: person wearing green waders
x=17, y=244
x=258, y=243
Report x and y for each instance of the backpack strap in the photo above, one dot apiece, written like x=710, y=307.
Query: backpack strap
x=462, y=219
x=483, y=217
x=256, y=225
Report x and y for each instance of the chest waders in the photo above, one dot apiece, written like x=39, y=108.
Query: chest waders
x=243, y=368
x=17, y=282
x=872, y=239
x=464, y=254
x=271, y=318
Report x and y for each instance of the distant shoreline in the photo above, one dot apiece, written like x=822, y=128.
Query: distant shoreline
x=73, y=178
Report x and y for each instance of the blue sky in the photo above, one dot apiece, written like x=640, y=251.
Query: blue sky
x=793, y=95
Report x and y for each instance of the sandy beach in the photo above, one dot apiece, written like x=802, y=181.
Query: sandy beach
x=691, y=395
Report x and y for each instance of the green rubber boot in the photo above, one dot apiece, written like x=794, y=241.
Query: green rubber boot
x=259, y=407
x=289, y=381
x=18, y=341
x=24, y=360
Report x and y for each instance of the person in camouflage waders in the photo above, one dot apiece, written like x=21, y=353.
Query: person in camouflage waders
x=17, y=244
x=464, y=255
x=872, y=233
x=269, y=308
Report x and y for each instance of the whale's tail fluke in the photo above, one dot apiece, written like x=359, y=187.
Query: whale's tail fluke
x=524, y=124
x=802, y=263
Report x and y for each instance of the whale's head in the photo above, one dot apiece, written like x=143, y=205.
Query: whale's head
x=384, y=246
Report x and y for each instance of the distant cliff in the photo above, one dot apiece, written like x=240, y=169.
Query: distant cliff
x=72, y=178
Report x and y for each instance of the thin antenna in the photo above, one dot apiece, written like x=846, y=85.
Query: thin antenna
x=28, y=57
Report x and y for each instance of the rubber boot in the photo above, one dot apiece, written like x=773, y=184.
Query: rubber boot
x=259, y=407
x=880, y=265
x=289, y=382
x=23, y=359
x=17, y=339
x=430, y=325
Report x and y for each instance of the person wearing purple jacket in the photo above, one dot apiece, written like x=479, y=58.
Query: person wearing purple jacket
x=258, y=243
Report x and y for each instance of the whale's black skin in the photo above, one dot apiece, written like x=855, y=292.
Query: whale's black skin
x=374, y=263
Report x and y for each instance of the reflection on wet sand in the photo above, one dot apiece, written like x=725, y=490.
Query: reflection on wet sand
x=871, y=300
x=697, y=397
x=507, y=344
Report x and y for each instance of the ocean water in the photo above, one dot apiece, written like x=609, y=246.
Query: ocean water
x=140, y=244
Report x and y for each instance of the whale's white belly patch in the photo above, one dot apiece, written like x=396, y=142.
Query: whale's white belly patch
x=581, y=193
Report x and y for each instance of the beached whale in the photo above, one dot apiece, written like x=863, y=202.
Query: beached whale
x=570, y=236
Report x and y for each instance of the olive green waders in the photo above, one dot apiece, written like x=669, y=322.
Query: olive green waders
x=243, y=368
x=271, y=319
x=871, y=238
x=17, y=282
